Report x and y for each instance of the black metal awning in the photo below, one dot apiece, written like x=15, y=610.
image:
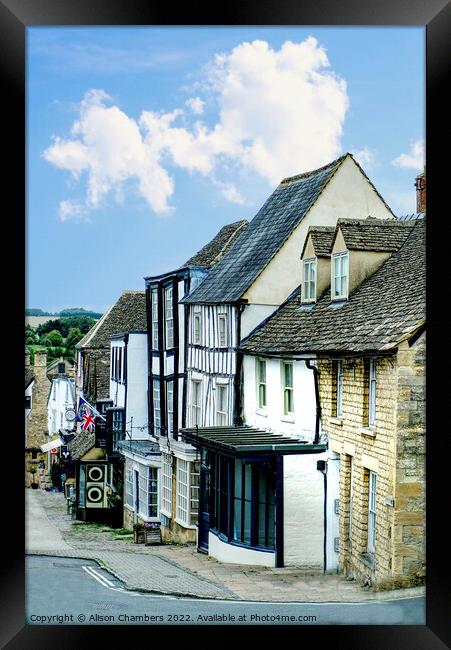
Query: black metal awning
x=244, y=440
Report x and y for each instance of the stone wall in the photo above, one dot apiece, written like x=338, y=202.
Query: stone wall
x=409, y=531
x=37, y=429
x=372, y=449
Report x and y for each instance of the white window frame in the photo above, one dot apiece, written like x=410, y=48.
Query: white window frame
x=339, y=379
x=286, y=389
x=129, y=499
x=169, y=317
x=154, y=307
x=222, y=336
x=222, y=409
x=156, y=397
x=170, y=406
x=187, y=497
x=197, y=330
x=166, y=484
x=144, y=478
x=308, y=293
x=372, y=487
x=372, y=393
x=340, y=273
x=196, y=406
x=260, y=384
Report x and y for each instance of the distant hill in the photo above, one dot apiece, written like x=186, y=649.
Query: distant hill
x=72, y=311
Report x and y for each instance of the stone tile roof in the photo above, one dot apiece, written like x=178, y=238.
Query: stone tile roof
x=385, y=308
x=257, y=244
x=212, y=252
x=374, y=234
x=126, y=315
x=81, y=444
x=29, y=376
x=322, y=240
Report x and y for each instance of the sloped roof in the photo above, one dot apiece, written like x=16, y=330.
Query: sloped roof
x=29, y=376
x=374, y=234
x=322, y=240
x=257, y=244
x=212, y=252
x=126, y=315
x=81, y=444
x=385, y=308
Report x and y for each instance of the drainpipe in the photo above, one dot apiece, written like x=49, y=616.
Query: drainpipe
x=318, y=405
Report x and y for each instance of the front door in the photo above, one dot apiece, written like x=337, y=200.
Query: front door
x=204, y=503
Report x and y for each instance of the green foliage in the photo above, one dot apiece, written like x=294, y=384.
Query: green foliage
x=54, y=339
x=64, y=325
x=49, y=326
x=30, y=336
x=75, y=334
x=55, y=353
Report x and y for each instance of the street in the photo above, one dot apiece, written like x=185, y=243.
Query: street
x=74, y=591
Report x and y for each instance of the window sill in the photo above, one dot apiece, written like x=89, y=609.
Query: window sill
x=337, y=421
x=185, y=525
x=287, y=418
x=368, y=432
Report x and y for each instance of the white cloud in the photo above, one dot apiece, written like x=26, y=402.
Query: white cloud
x=280, y=112
x=365, y=157
x=196, y=105
x=72, y=210
x=412, y=160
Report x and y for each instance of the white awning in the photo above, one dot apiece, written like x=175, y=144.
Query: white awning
x=53, y=444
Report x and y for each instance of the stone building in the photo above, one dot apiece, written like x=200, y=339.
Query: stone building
x=37, y=386
x=359, y=316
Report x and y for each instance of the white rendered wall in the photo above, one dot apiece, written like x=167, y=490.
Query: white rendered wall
x=117, y=389
x=253, y=315
x=303, y=495
x=302, y=421
x=238, y=554
x=61, y=398
x=136, y=406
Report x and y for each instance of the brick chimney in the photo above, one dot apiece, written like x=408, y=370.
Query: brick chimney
x=420, y=184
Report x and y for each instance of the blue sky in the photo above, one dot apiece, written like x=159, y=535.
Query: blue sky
x=142, y=142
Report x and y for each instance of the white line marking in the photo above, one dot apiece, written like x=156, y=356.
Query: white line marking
x=97, y=577
x=111, y=584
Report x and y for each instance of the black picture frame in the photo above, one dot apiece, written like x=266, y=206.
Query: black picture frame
x=435, y=15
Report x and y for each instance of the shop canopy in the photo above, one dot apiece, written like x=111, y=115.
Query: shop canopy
x=53, y=444
x=244, y=440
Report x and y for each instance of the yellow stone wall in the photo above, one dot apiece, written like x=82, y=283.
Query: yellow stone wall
x=394, y=450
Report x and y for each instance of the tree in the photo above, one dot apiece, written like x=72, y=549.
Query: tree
x=30, y=336
x=74, y=335
x=54, y=339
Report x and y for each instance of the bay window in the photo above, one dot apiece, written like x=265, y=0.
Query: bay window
x=170, y=406
x=169, y=317
x=154, y=319
x=187, y=500
x=156, y=407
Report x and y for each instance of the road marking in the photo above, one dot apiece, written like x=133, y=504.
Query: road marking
x=97, y=576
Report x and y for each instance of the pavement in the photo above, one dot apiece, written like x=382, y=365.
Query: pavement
x=178, y=569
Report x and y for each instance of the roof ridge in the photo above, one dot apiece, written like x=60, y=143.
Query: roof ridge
x=292, y=179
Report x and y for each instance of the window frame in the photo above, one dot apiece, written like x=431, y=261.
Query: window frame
x=221, y=389
x=309, y=265
x=156, y=390
x=287, y=391
x=147, y=498
x=372, y=512
x=170, y=403
x=196, y=407
x=372, y=392
x=339, y=390
x=344, y=293
x=154, y=316
x=261, y=384
x=222, y=318
x=166, y=484
x=169, y=317
x=197, y=335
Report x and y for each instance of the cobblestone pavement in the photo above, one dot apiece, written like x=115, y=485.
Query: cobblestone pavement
x=180, y=569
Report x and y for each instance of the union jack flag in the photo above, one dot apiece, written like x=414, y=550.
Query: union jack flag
x=88, y=421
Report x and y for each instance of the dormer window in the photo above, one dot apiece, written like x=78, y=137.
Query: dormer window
x=340, y=276
x=309, y=280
